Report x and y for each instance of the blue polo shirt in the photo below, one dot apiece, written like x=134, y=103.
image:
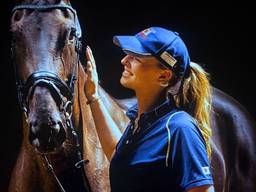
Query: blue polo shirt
x=167, y=152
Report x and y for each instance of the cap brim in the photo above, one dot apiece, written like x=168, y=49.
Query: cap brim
x=130, y=44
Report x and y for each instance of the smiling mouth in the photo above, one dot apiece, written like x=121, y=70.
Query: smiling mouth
x=126, y=73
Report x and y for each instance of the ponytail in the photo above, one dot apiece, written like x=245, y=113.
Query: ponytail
x=195, y=98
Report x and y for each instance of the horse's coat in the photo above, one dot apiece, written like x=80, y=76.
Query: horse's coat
x=38, y=47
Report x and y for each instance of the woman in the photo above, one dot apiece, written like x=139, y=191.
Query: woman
x=166, y=144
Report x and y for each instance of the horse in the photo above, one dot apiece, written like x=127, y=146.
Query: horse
x=60, y=150
x=50, y=84
x=233, y=144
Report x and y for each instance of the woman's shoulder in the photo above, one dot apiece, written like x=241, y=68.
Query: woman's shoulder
x=180, y=120
x=179, y=117
x=184, y=127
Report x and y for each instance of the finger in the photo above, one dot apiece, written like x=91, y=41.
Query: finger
x=89, y=68
x=84, y=65
x=92, y=74
x=91, y=57
x=90, y=52
x=87, y=54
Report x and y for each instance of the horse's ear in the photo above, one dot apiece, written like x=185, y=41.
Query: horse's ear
x=65, y=1
x=20, y=1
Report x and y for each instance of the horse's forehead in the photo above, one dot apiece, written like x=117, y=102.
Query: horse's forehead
x=40, y=21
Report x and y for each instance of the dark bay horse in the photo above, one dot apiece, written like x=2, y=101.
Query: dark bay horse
x=50, y=82
x=234, y=145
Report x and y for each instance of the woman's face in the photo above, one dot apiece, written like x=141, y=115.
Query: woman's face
x=142, y=72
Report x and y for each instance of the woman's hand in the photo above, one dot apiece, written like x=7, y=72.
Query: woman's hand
x=92, y=82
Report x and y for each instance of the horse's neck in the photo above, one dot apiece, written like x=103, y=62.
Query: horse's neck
x=98, y=166
x=117, y=113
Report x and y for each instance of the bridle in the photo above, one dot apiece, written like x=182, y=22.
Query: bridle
x=57, y=86
x=62, y=92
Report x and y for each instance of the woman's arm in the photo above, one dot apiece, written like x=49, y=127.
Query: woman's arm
x=107, y=130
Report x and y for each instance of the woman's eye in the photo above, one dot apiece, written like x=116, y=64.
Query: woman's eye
x=137, y=59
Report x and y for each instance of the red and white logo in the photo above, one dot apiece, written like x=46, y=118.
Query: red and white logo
x=145, y=33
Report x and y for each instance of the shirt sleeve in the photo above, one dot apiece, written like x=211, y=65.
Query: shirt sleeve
x=189, y=158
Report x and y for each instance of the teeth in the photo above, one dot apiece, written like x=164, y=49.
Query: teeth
x=126, y=73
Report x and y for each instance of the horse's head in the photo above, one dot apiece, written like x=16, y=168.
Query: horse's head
x=45, y=51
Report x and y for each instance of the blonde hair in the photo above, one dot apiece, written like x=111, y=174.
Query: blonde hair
x=195, y=98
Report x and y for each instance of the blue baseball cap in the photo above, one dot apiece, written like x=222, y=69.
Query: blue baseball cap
x=163, y=44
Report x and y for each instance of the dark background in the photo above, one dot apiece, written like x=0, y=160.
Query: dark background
x=218, y=37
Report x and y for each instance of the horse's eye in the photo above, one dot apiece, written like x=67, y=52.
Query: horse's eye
x=65, y=13
x=72, y=34
x=17, y=16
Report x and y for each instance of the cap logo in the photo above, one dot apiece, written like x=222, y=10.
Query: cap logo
x=168, y=58
x=145, y=32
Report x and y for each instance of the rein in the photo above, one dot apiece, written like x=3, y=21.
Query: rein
x=62, y=92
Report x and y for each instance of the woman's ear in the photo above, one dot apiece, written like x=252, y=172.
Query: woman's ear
x=165, y=77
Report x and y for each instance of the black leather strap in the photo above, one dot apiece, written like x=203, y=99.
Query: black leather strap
x=49, y=80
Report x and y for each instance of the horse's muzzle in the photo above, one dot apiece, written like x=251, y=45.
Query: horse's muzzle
x=47, y=137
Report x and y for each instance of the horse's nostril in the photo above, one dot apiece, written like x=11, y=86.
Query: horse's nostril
x=61, y=136
x=55, y=129
x=32, y=135
x=36, y=142
x=33, y=124
x=47, y=136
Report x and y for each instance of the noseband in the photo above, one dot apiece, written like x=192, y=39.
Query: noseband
x=62, y=92
x=57, y=87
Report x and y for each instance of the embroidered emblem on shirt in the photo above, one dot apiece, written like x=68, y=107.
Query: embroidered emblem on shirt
x=206, y=170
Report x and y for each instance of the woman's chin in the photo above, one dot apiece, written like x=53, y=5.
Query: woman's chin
x=125, y=82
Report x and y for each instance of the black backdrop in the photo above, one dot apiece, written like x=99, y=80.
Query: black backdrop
x=219, y=38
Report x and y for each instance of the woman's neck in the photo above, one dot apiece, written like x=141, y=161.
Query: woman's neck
x=148, y=100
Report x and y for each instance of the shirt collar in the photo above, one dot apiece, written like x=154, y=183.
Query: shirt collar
x=159, y=111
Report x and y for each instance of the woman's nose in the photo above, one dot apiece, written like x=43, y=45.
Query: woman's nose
x=125, y=60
